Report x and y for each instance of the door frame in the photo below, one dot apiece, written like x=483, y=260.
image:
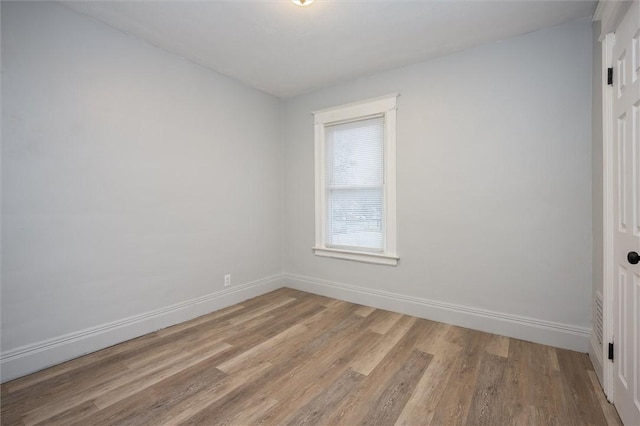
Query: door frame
x=610, y=14
x=608, y=266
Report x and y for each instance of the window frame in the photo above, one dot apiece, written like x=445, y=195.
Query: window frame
x=385, y=106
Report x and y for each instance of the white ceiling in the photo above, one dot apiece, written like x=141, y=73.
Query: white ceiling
x=286, y=50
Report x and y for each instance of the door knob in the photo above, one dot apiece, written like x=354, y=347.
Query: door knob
x=633, y=257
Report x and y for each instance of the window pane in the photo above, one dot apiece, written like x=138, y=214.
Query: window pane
x=355, y=153
x=355, y=218
x=354, y=185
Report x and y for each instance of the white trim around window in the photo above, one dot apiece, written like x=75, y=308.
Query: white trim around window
x=379, y=107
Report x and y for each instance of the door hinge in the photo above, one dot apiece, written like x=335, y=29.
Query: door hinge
x=610, y=76
x=611, y=351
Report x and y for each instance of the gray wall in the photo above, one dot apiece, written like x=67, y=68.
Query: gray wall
x=132, y=179
x=494, y=178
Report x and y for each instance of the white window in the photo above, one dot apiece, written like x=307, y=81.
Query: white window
x=355, y=156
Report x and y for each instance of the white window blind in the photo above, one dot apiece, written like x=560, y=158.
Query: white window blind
x=355, y=184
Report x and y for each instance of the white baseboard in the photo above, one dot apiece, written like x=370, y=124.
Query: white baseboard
x=30, y=358
x=534, y=330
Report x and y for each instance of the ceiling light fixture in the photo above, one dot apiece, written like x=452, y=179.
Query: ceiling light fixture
x=302, y=2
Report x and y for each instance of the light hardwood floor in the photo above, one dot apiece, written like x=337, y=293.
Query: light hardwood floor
x=293, y=358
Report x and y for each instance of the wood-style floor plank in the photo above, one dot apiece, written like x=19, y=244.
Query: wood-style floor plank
x=268, y=384
x=460, y=388
x=398, y=389
x=142, y=408
x=355, y=408
x=313, y=376
x=488, y=389
x=290, y=357
x=388, y=321
x=421, y=406
x=315, y=411
x=370, y=360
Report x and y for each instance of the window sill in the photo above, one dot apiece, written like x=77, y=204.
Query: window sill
x=358, y=256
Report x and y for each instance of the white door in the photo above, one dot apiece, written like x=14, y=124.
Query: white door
x=626, y=193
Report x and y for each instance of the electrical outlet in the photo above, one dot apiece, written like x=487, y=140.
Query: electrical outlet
x=227, y=280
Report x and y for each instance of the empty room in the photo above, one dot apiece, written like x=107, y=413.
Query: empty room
x=324, y=212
